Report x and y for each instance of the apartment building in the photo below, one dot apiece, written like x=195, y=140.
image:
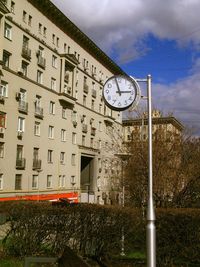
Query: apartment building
x=57, y=137
x=137, y=128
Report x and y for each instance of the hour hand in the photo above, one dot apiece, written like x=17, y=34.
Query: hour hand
x=118, y=89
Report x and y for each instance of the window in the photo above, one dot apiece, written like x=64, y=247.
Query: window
x=83, y=140
x=18, y=182
x=35, y=181
x=49, y=181
x=29, y=20
x=24, y=16
x=54, y=61
x=40, y=28
x=51, y=132
x=74, y=138
x=73, y=182
x=21, y=124
x=57, y=42
x=39, y=76
x=63, y=135
x=45, y=32
x=62, y=157
x=24, y=68
x=2, y=119
x=53, y=38
x=73, y=159
x=74, y=116
x=53, y=84
x=8, y=31
x=61, y=181
x=52, y=107
x=92, y=104
x=4, y=89
x=65, y=48
x=37, y=128
x=1, y=149
x=64, y=113
x=6, y=58
x=99, y=144
x=92, y=142
x=50, y=156
x=84, y=100
x=35, y=153
x=1, y=181
x=12, y=9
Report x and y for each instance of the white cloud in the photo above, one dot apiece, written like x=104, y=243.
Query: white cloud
x=122, y=26
x=125, y=23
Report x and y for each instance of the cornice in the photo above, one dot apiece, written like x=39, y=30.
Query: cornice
x=47, y=8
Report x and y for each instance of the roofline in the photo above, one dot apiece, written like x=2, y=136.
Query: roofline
x=66, y=25
x=169, y=119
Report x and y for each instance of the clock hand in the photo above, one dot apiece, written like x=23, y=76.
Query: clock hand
x=118, y=89
x=123, y=92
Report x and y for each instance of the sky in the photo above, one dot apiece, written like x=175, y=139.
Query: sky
x=157, y=37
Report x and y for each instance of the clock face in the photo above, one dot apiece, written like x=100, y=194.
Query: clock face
x=120, y=92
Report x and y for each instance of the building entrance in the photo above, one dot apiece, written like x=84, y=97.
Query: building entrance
x=87, y=179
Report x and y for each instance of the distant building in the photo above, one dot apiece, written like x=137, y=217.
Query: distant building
x=137, y=128
x=56, y=135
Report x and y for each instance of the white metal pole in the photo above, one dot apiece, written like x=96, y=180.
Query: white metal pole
x=151, y=230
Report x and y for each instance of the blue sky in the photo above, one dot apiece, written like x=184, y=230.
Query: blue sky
x=156, y=37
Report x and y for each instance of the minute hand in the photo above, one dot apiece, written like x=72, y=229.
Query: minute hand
x=118, y=89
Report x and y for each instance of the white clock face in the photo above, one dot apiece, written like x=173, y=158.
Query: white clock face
x=120, y=92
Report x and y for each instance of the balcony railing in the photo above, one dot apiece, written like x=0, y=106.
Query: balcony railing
x=85, y=88
x=84, y=128
x=20, y=163
x=26, y=52
x=23, y=106
x=37, y=164
x=39, y=112
x=41, y=62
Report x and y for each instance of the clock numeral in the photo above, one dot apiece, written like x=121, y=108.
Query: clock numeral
x=130, y=98
x=107, y=91
x=125, y=102
x=109, y=98
x=130, y=86
x=119, y=80
x=114, y=100
x=119, y=104
x=132, y=92
x=109, y=85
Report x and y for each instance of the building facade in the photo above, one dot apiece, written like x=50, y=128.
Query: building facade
x=137, y=128
x=57, y=138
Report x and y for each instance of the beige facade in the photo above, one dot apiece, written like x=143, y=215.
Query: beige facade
x=56, y=134
x=137, y=128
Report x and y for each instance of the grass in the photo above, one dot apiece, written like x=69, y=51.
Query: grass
x=11, y=263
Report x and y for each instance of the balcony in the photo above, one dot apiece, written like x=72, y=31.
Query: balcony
x=2, y=99
x=68, y=90
x=93, y=131
x=37, y=164
x=84, y=128
x=39, y=112
x=85, y=88
x=66, y=78
x=94, y=93
x=26, y=52
x=41, y=62
x=20, y=163
x=23, y=106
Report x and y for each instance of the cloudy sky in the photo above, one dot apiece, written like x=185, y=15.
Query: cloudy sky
x=156, y=37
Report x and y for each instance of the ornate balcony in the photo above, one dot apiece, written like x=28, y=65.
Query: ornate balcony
x=37, y=164
x=26, y=52
x=39, y=112
x=20, y=163
x=23, y=106
x=41, y=62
